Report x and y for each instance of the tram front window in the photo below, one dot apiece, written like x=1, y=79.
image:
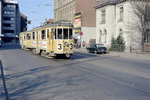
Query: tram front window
x=65, y=31
x=70, y=34
x=59, y=33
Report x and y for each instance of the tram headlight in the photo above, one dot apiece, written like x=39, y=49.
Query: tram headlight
x=66, y=44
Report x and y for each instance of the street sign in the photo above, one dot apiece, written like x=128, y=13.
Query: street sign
x=81, y=33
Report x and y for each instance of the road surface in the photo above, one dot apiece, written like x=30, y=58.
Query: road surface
x=82, y=77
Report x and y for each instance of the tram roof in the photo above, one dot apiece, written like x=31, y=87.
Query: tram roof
x=63, y=23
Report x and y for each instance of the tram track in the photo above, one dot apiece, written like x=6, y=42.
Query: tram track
x=111, y=79
x=81, y=68
x=73, y=62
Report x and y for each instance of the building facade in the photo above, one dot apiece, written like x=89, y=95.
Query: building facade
x=64, y=10
x=23, y=22
x=114, y=18
x=81, y=13
x=85, y=20
x=10, y=21
x=0, y=21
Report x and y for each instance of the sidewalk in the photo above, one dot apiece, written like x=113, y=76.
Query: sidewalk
x=2, y=92
x=136, y=56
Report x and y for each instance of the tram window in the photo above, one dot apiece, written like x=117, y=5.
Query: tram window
x=28, y=36
x=70, y=33
x=59, y=33
x=33, y=35
x=43, y=34
x=47, y=33
x=55, y=35
x=65, y=31
x=24, y=36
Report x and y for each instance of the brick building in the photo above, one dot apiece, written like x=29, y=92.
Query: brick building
x=23, y=22
x=81, y=13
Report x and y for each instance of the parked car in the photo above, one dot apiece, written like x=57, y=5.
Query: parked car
x=97, y=48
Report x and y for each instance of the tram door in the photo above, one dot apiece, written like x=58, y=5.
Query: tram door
x=37, y=38
x=52, y=33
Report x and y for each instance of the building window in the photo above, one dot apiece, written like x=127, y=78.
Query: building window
x=7, y=25
x=105, y=36
x=7, y=18
x=100, y=36
x=121, y=14
x=121, y=31
x=103, y=14
x=9, y=31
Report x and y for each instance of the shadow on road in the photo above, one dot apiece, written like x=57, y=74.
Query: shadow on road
x=44, y=83
x=9, y=47
x=78, y=55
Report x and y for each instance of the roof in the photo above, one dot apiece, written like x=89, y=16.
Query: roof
x=114, y=2
x=11, y=1
x=109, y=2
x=64, y=23
x=21, y=14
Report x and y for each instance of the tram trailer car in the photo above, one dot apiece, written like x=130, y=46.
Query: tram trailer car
x=49, y=40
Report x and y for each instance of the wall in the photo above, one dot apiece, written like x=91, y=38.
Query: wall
x=88, y=33
x=109, y=25
x=86, y=7
x=131, y=36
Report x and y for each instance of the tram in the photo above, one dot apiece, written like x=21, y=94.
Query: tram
x=49, y=40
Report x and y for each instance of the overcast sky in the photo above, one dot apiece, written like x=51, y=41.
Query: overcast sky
x=36, y=11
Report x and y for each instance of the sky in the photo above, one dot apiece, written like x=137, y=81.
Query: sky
x=36, y=11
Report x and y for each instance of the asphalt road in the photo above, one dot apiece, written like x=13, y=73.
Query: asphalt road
x=82, y=77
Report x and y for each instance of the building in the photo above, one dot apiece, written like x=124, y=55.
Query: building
x=23, y=22
x=10, y=27
x=116, y=17
x=85, y=20
x=0, y=20
x=81, y=13
x=49, y=21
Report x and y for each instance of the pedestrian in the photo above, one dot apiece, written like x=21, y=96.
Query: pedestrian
x=84, y=43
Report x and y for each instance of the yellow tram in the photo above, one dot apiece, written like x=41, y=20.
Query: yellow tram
x=49, y=40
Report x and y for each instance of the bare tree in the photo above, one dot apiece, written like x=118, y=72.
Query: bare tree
x=141, y=9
